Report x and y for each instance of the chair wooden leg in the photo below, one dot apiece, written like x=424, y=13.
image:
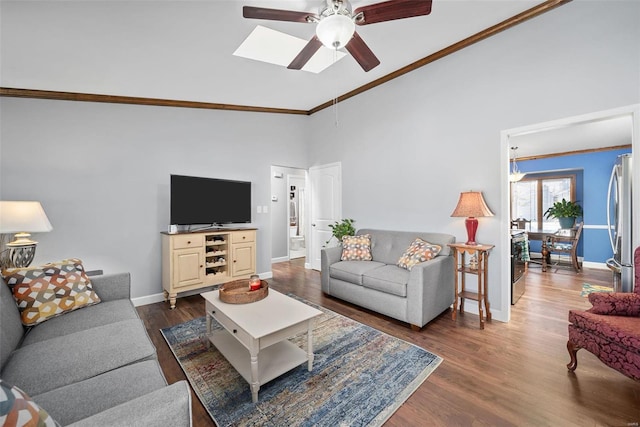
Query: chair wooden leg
x=574, y=260
x=573, y=350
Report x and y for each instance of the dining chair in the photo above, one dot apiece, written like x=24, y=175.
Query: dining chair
x=563, y=242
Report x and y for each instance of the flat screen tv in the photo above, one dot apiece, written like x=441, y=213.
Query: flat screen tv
x=196, y=200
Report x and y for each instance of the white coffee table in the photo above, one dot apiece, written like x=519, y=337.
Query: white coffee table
x=255, y=335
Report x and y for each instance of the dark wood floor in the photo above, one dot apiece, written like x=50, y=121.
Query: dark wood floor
x=507, y=374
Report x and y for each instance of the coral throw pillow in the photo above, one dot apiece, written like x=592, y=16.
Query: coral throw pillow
x=356, y=248
x=50, y=290
x=418, y=251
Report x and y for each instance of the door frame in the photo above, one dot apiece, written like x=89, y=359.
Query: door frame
x=505, y=158
x=305, y=230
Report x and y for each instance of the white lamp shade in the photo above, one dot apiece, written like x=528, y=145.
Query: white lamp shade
x=335, y=31
x=23, y=216
x=516, y=176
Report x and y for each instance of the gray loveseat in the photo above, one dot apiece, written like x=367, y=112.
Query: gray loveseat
x=95, y=366
x=415, y=296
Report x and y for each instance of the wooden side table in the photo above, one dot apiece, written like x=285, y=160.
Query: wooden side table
x=462, y=268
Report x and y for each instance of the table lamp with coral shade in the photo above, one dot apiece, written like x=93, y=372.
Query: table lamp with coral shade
x=471, y=205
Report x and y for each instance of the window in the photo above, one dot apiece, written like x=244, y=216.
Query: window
x=532, y=196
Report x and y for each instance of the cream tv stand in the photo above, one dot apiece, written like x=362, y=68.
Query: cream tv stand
x=194, y=260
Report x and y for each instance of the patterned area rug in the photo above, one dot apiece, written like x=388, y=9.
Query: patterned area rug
x=587, y=289
x=360, y=377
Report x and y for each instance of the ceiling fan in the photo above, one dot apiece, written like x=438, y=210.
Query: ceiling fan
x=336, y=25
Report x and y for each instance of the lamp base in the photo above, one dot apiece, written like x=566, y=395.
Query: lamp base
x=22, y=256
x=472, y=226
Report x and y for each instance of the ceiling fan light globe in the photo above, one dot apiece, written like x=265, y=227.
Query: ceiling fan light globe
x=335, y=31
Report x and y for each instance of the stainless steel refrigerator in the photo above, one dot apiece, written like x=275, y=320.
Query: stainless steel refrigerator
x=619, y=218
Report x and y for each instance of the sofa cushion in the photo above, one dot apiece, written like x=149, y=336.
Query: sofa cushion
x=623, y=330
x=56, y=362
x=352, y=271
x=50, y=290
x=387, y=246
x=616, y=303
x=417, y=252
x=18, y=409
x=389, y=279
x=356, y=248
x=80, y=320
x=11, y=330
x=83, y=399
x=170, y=406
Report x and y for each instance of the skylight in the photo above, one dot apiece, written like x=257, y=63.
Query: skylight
x=274, y=47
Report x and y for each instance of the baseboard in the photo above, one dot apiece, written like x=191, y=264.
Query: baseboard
x=279, y=259
x=595, y=265
x=587, y=264
x=149, y=299
x=154, y=298
x=472, y=308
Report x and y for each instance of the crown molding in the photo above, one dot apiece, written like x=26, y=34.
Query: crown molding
x=116, y=99
x=484, y=34
x=576, y=152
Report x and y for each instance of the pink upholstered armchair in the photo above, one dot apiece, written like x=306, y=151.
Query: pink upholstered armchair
x=610, y=329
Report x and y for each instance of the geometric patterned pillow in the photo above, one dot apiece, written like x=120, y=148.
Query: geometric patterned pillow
x=17, y=409
x=356, y=248
x=417, y=252
x=50, y=290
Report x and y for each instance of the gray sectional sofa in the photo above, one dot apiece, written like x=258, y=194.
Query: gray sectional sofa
x=95, y=366
x=415, y=296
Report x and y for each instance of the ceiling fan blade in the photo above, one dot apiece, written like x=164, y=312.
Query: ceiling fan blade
x=305, y=54
x=392, y=9
x=361, y=53
x=277, y=14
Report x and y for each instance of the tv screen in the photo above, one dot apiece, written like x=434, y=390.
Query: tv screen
x=197, y=200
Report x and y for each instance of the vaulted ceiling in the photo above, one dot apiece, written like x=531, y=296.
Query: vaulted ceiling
x=183, y=50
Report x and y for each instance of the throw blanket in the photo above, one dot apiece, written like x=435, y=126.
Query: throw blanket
x=524, y=245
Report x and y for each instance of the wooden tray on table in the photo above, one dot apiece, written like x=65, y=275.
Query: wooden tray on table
x=238, y=292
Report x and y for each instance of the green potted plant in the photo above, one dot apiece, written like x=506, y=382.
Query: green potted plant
x=342, y=228
x=565, y=211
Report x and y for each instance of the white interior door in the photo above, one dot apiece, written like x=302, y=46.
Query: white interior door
x=326, y=206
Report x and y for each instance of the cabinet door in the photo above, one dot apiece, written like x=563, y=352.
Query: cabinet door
x=244, y=259
x=188, y=267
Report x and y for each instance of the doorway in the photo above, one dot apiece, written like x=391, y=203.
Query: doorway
x=289, y=222
x=297, y=214
x=538, y=140
x=303, y=205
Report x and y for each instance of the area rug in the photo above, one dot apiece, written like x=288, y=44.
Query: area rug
x=588, y=288
x=360, y=377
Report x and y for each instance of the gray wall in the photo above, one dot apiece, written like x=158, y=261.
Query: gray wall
x=407, y=148
x=101, y=172
x=410, y=146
